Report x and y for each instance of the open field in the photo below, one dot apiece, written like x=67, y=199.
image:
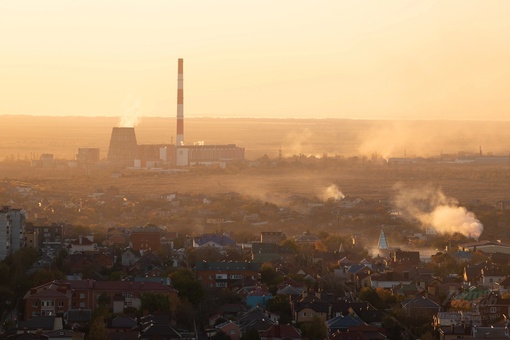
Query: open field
x=467, y=183
x=30, y=136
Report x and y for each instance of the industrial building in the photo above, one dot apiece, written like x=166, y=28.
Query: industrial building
x=125, y=151
x=87, y=155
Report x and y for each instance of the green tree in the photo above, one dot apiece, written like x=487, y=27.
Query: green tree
x=315, y=329
x=103, y=299
x=97, y=330
x=280, y=304
x=370, y=295
x=268, y=274
x=188, y=286
x=153, y=303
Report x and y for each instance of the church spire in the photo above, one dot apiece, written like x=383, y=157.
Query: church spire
x=383, y=242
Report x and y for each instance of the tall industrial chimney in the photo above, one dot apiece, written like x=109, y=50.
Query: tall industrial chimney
x=179, y=140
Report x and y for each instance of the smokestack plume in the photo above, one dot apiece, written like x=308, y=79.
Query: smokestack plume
x=179, y=140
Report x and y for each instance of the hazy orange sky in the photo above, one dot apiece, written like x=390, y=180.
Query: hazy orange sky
x=289, y=59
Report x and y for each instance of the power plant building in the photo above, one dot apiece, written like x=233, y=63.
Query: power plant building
x=123, y=146
x=124, y=150
x=208, y=154
x=87, y=155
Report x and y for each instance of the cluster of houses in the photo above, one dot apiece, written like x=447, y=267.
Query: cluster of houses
x=469, y=305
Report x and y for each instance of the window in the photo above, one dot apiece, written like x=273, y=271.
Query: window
x=493, y=309
x=47, y=303
x=311, y=314
x=303, y=314
x=82, y=304
x=82, y=295
x=232, y=331
x=35, y=304
x=61, y=303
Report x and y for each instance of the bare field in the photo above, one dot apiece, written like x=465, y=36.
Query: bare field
x=466, y=183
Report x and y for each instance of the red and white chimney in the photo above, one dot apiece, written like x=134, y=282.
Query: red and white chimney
x=179, y=140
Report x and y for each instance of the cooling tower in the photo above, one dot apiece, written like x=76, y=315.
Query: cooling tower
x=180, y=101
x=123, y=146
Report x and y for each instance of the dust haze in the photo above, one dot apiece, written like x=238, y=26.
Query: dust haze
x=62, y=136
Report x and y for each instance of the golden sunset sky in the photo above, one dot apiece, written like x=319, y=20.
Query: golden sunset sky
x=283, y=59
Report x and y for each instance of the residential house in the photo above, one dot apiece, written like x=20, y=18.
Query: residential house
x=364, y=310
x=82, y=245
x=266, y=252
x=361, y=332
x=281, y=332
x=231, y=329
x=58, y=296
x=388, y=280
x=258, y=297
x=256, y=319
x=117, y=236
x=420, y=305
x=488, y=247
x=271, y=237
x=492, y=275
x=158, y=331
x=122, y=328
x=129, y=257
x=307, y=239
x=225, y=274
x=304, y=311
x=342, y=323
x=145, y=238
x=504, y=286
x=219, y=241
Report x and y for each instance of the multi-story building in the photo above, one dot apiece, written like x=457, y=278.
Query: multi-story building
x=226, y=274
x=49, y=236
x=12, y=230
x=146, y=238
x=58, y=296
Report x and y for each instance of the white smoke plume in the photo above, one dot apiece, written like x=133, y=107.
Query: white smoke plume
x=434, y=209
x=298, y=142
x=131, y=112
x=332, y=192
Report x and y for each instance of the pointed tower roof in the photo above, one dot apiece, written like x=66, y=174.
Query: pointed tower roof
x=383, y=242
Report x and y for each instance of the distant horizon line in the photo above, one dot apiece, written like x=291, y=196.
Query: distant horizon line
x=271, y=118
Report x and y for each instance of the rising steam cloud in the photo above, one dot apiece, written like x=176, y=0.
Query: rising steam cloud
x=131, y=112
x=332, y=192
x=434, y=209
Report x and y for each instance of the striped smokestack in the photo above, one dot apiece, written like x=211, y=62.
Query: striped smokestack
x=180, y=97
